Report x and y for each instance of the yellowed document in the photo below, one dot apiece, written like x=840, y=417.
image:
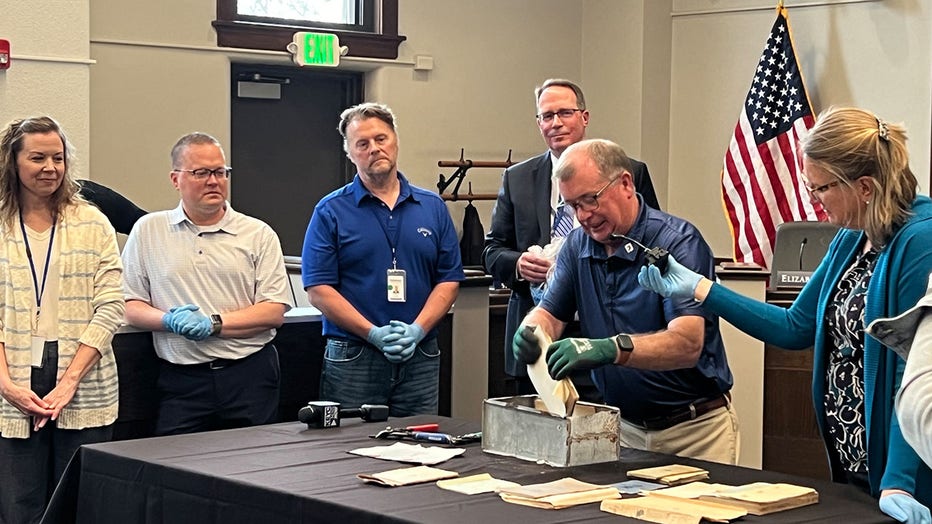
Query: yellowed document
x=406, y=476
x=558, y=396
x=475, y=484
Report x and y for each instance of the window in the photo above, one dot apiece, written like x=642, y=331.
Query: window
x=369, y=28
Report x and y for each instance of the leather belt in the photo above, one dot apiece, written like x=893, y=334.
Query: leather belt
x=690, y=412
x=219, y=363
x=213, y=365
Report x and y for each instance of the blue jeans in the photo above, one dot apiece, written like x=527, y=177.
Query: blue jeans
x=355, y=373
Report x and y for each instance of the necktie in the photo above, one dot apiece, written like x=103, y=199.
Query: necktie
x=562, y=222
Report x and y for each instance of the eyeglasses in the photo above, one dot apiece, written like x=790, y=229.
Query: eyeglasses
x=564, y=114
x=204, y=173
x=816, y=191
x=589, y=202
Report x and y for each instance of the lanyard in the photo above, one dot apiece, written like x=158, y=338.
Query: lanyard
x=32, y=265
x=392, y=241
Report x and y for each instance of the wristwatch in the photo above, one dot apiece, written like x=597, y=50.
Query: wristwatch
x=624, y=343
x=216, y=324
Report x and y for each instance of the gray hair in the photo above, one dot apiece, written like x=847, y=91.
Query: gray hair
x=191, y=139
x=608, y=157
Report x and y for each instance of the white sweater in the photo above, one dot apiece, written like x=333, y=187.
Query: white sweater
x=90, y=310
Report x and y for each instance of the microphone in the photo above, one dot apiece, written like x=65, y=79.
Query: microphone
x=654, y=256
x=802, y=249
x=327, y=414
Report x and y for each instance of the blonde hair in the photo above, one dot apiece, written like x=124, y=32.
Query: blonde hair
x=851, y=143
x=11, y=143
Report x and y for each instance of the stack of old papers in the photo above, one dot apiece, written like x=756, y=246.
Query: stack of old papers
x=672, y=475
x=558, y=494
x=759, y=498
x=669, y=510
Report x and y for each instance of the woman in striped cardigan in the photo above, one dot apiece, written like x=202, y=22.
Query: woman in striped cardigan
x=61, y=300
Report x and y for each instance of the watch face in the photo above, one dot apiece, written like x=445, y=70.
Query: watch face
x=624, y=343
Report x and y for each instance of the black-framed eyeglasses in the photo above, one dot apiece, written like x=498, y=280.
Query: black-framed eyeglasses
x=564, y=114
x=589, y=202
x=816, y=191
x=203, y=173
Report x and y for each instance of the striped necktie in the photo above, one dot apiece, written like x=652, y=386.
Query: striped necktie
x=562, y=222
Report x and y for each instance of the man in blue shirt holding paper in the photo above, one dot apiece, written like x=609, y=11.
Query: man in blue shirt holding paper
x=381, y=261
x=660, y=361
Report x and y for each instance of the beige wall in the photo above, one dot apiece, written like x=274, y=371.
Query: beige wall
x=50, y=70
x=667, y=87
x=478, y=96
x=870, y=54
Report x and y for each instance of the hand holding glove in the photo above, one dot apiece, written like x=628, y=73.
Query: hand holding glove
x=677, y=282
x=403, y=341
x=378, y=334
x=187, y=321
x=904, y=508
x=563, y=356
x=526, y=344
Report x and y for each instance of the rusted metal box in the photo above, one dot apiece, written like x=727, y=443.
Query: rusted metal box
x=520, y=427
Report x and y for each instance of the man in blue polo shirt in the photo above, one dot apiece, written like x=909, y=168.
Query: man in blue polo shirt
x=660, y=361
x=381, y=261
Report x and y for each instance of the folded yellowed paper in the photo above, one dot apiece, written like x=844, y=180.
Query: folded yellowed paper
x=406, y=476
x=475, y=484
x=672, y=475
x=559, y=397
x=558, y=494
x=668, y=510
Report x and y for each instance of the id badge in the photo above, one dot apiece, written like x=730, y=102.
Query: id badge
x=396, y=285
x=38, y=351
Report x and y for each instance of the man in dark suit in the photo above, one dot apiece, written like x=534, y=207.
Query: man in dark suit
x=526, y=207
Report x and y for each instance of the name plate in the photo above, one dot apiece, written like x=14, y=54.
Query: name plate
x=792, y=279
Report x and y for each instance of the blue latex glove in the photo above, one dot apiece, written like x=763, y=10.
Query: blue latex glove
x=187, y=321
x=383, y=337
x=377, y=335
x=196, y=327
x=677, y=282
x=168, y=318
x=401, y=348
x=564, y=356
x=526, y=345
x=904, y=508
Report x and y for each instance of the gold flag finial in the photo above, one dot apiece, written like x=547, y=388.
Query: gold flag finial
x=779, y=5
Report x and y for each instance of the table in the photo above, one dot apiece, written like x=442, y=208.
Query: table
x=286, y=473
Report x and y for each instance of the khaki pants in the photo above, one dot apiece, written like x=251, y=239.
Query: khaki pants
x=712, y=437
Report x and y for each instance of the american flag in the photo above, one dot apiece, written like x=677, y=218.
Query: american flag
x=761, y=183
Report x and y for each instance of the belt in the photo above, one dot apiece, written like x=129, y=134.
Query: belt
x=213, y=365
x=218, y=363
x=690, y=412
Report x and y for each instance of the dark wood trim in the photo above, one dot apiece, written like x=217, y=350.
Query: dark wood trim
x=273, y=37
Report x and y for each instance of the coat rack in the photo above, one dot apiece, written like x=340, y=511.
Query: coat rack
x=462, y=166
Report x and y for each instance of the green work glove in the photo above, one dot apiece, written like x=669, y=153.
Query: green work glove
x=563, y=356
x=526, y=345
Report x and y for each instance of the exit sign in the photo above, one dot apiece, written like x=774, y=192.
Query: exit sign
x=316, y=49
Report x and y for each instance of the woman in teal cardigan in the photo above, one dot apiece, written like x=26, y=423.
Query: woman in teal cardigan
x=856, y=165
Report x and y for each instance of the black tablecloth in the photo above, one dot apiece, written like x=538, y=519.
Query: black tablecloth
x=287, y=473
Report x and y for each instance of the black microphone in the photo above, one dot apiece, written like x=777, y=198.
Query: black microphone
x=654, y=256
x=802, y=249
x=326, y=414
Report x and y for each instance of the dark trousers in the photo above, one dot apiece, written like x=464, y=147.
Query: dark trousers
x=30, y=468
x=219, y=395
